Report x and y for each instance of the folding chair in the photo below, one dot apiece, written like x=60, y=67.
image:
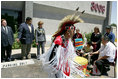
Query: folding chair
x=114, y=64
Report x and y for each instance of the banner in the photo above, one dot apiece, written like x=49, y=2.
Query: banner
x=78, y=43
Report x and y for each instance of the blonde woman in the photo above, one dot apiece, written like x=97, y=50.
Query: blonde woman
x=40, y=39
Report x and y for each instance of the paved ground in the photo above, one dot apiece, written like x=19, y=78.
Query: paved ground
x=34, y=70
x=27, y=71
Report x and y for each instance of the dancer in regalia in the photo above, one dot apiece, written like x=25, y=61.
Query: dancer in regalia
x=61, y=58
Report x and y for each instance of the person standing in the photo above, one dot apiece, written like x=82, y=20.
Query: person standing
x=96, y=42
x=96, y=39
x=110, y=34
x=26, y=37
x=40, y=38
x=76, y=36
x=7, y=39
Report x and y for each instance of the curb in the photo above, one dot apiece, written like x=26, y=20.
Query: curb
x=17, y=63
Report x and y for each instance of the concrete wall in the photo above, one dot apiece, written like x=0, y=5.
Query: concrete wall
x=51, y=13
x=114, y=30
x=12, y=5
x=72, y=5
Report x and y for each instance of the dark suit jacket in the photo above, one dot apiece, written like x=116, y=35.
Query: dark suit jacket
x=7, y=39
x=24, y=34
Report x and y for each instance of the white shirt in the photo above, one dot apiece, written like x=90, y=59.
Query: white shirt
x=5, y=27
x=30, y=29
x=108, y=50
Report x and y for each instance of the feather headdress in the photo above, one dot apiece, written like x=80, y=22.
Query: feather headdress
x=70, y=20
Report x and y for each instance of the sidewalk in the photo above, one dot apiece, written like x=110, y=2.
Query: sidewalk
x=27, y=71
x=16, y=53
x=33, y=50
x=34, y=70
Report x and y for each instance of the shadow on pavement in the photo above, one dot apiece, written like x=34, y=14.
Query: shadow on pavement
x=18, y=56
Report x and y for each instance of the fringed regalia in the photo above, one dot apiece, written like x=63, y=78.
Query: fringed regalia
x=61, y=59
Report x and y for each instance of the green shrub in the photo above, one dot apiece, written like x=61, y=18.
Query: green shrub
x=16, y=45
x=83, y=37
x=88, y=36
x=34, y=44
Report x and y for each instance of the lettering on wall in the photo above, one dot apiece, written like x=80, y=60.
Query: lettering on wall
x=97, y=7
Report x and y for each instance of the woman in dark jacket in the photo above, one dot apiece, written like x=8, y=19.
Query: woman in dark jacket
x=96, y=42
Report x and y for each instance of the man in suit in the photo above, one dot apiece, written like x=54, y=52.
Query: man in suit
x=40, y=39
x=7, y=39
x=26, y=36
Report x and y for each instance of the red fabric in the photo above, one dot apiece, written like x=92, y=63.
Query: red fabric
x=94, y=47
x=67, y=69
x=63, y=27
x=79, y=35
x=58, y=40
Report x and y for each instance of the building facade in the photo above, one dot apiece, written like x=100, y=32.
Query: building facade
x=97, y=13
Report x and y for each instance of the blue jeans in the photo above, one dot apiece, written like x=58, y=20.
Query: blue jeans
x=42, y=45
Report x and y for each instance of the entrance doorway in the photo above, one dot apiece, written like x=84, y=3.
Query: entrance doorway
x=14, y=18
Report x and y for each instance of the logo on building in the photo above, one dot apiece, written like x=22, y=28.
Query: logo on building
x=97, y=8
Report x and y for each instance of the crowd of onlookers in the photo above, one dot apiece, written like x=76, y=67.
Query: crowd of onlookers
x=25, y=36
x=99, y=50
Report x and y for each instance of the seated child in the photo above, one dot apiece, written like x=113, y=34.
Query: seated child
x=87, y=50
x=88, y=47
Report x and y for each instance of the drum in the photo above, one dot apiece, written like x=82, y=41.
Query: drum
x=82, y=63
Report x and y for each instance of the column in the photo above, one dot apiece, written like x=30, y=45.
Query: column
x=27, y=10
x=108, y=16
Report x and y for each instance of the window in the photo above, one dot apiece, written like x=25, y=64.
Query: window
x=14, y=18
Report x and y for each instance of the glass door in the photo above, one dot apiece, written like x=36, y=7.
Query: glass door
x=14, y=18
